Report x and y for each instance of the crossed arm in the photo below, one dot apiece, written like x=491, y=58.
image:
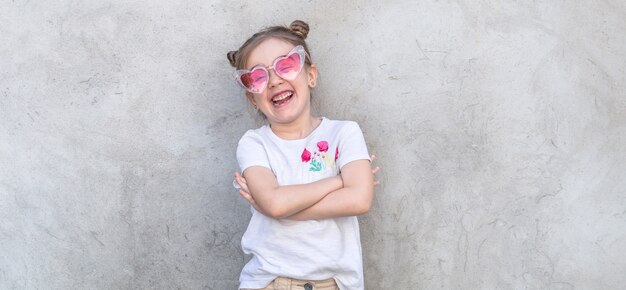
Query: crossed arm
x=348, y=194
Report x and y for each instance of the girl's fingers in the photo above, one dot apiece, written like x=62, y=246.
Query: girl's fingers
x=243, y=184
x=247, y=196
x=377, y=168
x=244, y=191
x=241, y=181
x=238, y=183
x=245, y=187
x=240, y=178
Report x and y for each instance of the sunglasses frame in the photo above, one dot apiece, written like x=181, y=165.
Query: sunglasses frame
x=298, y=49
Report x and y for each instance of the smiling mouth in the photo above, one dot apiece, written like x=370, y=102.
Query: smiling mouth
x=282, y=98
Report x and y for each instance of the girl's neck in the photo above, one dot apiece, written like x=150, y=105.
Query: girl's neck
x=298, y=129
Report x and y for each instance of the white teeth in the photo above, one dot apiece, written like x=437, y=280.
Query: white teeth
x=281, y=96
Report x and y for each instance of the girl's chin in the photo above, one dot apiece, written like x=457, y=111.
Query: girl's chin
x=284, y=117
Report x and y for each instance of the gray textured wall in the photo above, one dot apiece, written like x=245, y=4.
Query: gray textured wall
x=500, y=127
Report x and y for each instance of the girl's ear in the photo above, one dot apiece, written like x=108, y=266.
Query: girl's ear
x=312, y=75
x=250, y=97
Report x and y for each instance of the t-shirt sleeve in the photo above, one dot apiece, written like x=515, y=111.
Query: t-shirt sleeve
x=250, y=152
x=351, y=145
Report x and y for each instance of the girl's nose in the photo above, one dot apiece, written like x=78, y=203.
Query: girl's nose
x=274, y=78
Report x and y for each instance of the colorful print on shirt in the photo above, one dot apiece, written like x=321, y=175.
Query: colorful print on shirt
x=320, y=158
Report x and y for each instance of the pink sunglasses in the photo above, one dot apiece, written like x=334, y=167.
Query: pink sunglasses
x=287, y=67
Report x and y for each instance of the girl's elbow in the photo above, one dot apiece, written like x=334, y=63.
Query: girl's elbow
x=273, y=211
x=276, y=211
x=364, y=205
x=364, y=208
x=270, y=206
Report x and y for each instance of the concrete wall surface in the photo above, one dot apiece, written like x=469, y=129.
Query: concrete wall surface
x=500, y=127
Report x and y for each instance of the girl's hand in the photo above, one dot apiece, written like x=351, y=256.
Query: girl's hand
x=244, y=191
x=375, y=170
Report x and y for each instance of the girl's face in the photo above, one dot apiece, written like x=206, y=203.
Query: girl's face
x=282, y=101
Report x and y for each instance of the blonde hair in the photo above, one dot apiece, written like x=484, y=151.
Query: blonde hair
x=295, y=34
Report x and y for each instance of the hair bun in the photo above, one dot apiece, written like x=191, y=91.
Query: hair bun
x=231, y=55
x=300, y=28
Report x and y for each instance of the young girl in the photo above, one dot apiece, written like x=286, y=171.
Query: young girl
x=306, y=177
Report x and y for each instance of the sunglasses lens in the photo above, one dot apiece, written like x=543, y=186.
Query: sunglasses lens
x=254, y=80
x=288, y=68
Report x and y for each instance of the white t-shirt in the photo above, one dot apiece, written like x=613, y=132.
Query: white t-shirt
x=312, y=249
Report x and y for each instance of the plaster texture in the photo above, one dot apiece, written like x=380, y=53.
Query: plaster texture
x=500, y=127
